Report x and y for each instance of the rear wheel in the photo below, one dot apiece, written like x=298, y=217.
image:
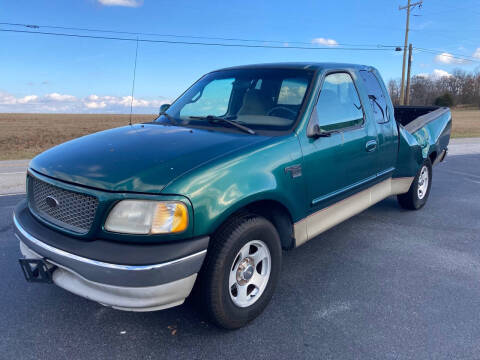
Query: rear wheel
x=417, y=195
x=241, y=271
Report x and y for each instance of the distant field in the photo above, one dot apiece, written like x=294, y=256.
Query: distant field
x=466, y=123
x=22, y=136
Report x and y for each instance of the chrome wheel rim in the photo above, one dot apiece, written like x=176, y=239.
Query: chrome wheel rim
x=249, y=273
x=423, y=183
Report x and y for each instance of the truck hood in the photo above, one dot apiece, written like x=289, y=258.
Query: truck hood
x=138, y=158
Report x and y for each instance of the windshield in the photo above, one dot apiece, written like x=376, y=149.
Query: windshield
x=259, y=99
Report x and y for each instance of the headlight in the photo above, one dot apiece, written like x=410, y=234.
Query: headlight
x=147, y=217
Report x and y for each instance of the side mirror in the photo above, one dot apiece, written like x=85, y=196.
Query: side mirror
x=163, y=108
x=314, y=130
x=317, y=132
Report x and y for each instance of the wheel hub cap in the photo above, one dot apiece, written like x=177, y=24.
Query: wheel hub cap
x=245, y=271
x=249, y=273
x=423, y=183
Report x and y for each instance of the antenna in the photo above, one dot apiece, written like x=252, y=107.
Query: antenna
x=133, y=82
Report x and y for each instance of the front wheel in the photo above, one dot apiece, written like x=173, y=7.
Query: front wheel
x=417, y=195
x=241, y=271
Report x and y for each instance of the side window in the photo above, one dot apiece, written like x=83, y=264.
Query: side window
x=292, y=91
x=338, y=105
x=376, y=96
x=212, y=100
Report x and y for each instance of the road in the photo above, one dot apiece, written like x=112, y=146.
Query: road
x=12, y=176
x=12, y=172
x=386, y=284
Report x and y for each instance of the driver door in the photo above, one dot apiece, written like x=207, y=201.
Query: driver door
x=338, y=164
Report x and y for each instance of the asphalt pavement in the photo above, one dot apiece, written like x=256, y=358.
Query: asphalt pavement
x=12, y=176
x=386, y=284
x=12, y=172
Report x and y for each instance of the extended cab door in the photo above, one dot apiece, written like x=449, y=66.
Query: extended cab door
x=381, y=110
x=341, y=159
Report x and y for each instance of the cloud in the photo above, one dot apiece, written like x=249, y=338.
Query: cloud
x=56, y=102
x=27, y=99
x=60, y=97
x=8, y=99
x=326, y=42
x=476, y=54
x=126, y=3
x=95, y=105
x=436, y=74
x=100, y=102
x=447, y=58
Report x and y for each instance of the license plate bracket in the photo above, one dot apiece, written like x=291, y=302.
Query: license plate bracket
x=37, y=270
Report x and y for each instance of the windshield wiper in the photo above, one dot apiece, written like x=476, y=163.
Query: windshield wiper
x=169, y=117
x=215, y=119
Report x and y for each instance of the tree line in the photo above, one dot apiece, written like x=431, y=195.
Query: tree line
x=459, y=88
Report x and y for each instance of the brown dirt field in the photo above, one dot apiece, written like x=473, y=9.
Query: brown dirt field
x=22, y=136
x=466, y=123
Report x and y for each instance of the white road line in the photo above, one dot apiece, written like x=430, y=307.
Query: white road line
x=474, y=181
x=14, y=173
x=12, y=194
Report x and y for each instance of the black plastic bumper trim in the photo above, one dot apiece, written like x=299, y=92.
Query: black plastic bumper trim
x=109, y=251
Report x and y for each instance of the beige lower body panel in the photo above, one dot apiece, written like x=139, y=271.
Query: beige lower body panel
x=332, y=215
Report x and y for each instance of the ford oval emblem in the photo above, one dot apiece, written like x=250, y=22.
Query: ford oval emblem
x=51, y=201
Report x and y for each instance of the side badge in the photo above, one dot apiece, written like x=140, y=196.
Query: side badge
x=294, y=170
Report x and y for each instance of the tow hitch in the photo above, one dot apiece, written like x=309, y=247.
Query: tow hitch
x=37, y=270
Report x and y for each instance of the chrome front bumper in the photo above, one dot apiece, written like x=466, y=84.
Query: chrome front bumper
x=125, y=287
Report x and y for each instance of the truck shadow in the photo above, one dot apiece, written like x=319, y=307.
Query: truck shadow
x=322, y=255
x=321, y=282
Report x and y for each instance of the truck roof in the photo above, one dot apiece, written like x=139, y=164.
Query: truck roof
x=298, y=65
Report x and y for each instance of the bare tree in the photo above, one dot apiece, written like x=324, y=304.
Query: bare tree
x=394, y=91
x=463, y=87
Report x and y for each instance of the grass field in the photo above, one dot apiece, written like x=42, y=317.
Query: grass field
x=22, y=136
x=466, y=123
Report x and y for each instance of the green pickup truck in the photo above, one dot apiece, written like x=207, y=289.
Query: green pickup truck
x=249, y=161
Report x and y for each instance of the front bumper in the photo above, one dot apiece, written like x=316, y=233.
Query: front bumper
x=145, y=287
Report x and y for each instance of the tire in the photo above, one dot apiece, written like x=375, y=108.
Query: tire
x=243, y=251
x=417, y=195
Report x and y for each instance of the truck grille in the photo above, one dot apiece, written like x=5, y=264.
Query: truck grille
x=68, y=209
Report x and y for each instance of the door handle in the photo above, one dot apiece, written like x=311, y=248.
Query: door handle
x=371, y=145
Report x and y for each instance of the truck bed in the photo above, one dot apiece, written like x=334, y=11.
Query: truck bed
x=415, y=117
x=424, y=132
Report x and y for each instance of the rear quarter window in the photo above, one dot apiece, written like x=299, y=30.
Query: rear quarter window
x=376, y=96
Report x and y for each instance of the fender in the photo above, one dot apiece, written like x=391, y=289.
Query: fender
x=219, y=189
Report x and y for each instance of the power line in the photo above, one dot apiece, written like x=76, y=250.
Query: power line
x=450, y=9
x=378, y=47
x=194, y=42
x=133, y=82
x=448, y=54
x=35, y=26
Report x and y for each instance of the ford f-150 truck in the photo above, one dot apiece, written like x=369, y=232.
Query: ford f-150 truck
x=249, y=161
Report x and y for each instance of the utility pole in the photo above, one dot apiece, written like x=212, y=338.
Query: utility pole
x=408, y=6
x=407, y=92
